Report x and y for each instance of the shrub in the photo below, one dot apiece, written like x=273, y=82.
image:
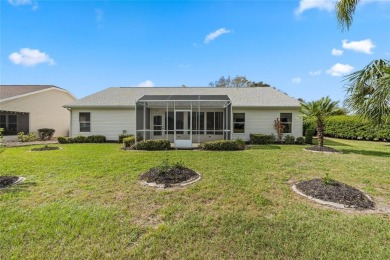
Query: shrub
x=27, y=138
x=300, y=140
x=240, y=143
x=129, y=141
x=222, y=145
x=262, y=139
x=309, y=136
x=96, y=139
x=153, y=145
x=80, y=139
x=354, y=127
x=289, y=139
x=46, y=133
x=70, y=140
x=62, y=140
x=123, y=136
x=1, y=136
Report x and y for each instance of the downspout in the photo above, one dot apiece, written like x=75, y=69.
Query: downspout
x=71, y=126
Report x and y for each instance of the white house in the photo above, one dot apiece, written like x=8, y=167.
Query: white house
x=184, y=115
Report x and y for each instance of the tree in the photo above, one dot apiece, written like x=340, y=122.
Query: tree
x=368, y=89
x=317, y=111
x=236, y=82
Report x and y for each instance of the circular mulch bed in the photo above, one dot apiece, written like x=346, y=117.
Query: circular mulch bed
x=336, y=193
x=168, y=178
x=324, y=149
x=6, y=181
x=46, y=148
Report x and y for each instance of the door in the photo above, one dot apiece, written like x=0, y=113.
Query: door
x=158, y=126
x=183, y=133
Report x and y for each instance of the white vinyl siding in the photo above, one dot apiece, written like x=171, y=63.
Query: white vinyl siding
x=107, y=122
x=258, y=120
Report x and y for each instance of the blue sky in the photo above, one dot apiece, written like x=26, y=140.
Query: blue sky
x=87, y=46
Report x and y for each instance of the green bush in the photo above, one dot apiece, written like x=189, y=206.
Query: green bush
x=354, y=127
x=300, y=140
x=71, y=140
x=129, y=141
x=46, y=133
x=261, y=138
x=123, y=136
x=309, y=133
x=62, y=140
x=153, y=145
x=80, y=139
x=96, y=139
x=27, y=137
x=223, y=145
x=289, y=139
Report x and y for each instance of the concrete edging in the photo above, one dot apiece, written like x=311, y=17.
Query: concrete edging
x=19, y=180
x=181, y=184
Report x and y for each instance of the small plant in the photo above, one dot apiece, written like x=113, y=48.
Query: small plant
x=179, y=165
x=240, y=143
x=80, y=139
x=1, y=136
x=289, y=139
x=124, y=132
x=122, y=137
x=45, y=133
x=327, y=180
x=26, y=137
x=129, y=141
x=279, y=126
x=300, y=140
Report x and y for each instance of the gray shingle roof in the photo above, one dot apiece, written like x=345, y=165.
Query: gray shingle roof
x=241, y=97
x=7, y=91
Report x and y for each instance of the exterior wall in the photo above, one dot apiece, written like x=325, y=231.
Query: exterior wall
x=259, y=120
x=45, y=110
x=107, y=122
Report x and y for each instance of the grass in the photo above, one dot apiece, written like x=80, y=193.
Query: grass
x=84, y=201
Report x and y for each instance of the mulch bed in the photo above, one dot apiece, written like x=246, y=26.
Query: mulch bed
x=7, y=180
x=15, y=144
x=171, y=176
x=46, y=148
x=326, y=149
x=336, y=192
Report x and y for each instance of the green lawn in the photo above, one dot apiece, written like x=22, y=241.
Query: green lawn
x=84, y=201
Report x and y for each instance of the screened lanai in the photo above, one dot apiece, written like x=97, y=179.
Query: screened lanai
x=184, y=119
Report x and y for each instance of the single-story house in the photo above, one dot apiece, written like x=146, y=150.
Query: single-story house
x=27, y=108
x=184, y=115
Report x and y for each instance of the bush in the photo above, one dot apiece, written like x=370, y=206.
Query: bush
x=354, y=127
x=46, y=133
x=62, y=140
x=123, y=136
x=129, y=141
x=80, y=139
x=70, y=140
x=309, y=136
x=300, y=140
x=27, y=138
x=262, y=139
x=96, y=139
x=223, y=145
x=289, y=139
x=153, y=145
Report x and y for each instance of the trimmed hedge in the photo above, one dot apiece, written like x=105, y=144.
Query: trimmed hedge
x=354, y=127
x=46, y=133
x=82, y=139
x=129, y=141
x=223, y=145
x=262, y=139
x=289, y=139
x=300, y=140
x=153, y=145
x=96, y=139
x=123, y=136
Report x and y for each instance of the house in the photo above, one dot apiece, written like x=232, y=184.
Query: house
x=184, y=115
x=27, y=108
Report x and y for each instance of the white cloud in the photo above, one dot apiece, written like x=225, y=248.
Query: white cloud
x=24, y=2
x=296, y=80
x=99, y=14
x=337, y=52
x=315, y=73
x=364, y=46
x=213, y=35
x=29, y=57
x=339, y=70
x=304, y=5
x=146, y=84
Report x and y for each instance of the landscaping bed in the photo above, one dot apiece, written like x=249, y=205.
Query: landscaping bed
x=169, y=177
x=325, y=149
x=7, y=181
x=45, y=148
x=335, y=192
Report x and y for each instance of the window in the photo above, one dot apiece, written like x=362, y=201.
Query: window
x=157, y=125
x=214, y=122
x=210, y=123
x=197, y=122
x=238, y=122
x=9, y=123
x=286, y=119
x=170, y=118
x=85, y=122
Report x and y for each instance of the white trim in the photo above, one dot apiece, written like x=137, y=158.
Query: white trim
x=37, y=92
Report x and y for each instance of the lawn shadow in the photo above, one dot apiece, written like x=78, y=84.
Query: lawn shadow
x=328, y=142
x=366, y=152
x=263, y=147
x=16, y=188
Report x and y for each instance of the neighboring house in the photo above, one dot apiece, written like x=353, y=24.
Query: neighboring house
x=27, y=108
x=185, y=115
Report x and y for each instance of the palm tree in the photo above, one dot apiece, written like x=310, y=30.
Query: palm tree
x=369, y=91
x=345, y=10
x=317, y=111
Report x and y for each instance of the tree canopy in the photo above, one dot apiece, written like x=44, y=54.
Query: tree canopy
x=236, y=82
